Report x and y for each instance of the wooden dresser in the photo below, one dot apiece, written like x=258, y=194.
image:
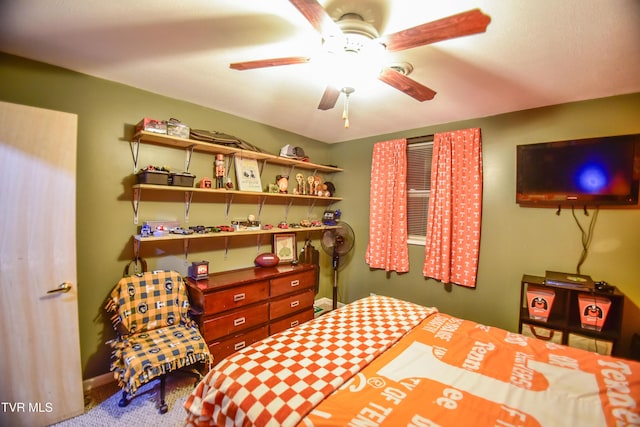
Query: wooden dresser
x=240, y=307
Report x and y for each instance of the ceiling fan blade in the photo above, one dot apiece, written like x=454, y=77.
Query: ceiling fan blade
x=329, y=98
x=317, y=17
x=462, y=24
x=273, y=62
x=405, y=84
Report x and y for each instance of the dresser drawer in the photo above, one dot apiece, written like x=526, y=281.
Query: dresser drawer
x=236, y=321
x=292, y=283
x=291, y=321
x=290, y=304
x=239, y=296
x=223, y=348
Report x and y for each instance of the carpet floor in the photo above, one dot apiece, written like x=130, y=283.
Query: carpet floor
x=101, y=405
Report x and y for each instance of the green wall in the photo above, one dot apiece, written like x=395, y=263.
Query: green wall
x=514, y=240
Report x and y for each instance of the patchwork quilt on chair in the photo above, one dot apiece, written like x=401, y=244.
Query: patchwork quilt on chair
x=155, y=333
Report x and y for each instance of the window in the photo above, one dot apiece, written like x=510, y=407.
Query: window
x=419, y=188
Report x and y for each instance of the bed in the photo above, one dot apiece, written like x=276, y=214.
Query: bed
x=384, y=361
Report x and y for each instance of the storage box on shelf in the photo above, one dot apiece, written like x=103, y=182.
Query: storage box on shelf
x=177, y=129
x=153, y=177
x=565, y=316
x=149, y=125
x=181, y=179
x=240, y=307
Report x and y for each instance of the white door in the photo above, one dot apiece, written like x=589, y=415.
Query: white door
x=40, y=368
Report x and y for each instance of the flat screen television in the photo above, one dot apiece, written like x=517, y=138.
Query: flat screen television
x=584, y=172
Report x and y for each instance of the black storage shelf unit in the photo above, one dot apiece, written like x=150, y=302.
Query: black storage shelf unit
x=564, y=315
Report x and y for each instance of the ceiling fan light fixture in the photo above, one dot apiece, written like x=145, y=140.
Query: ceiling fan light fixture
x=354, y=58
x=333, y=44
x=354, y=55
x=354, y=43
x=350, y=68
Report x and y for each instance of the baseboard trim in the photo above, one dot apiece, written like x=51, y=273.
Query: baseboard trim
x=100, y=380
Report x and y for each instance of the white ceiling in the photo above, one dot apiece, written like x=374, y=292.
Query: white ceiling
x=534, y=53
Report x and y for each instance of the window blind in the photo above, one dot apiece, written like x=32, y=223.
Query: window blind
x=419, y=156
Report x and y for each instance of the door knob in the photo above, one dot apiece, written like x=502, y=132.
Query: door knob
x=64, y=287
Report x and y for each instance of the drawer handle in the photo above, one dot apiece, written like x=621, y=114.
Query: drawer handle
x=294, y=323
x=295, y=303
x=239, y=297
x=239, y=345
x=295, y=283
x=239, y=321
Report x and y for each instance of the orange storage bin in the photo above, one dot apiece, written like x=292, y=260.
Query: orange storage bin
x=593, y=311
x=539, y=301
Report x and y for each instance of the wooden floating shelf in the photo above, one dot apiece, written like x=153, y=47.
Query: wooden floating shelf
x=223, y=192
x=171, y=236
x=207, y=147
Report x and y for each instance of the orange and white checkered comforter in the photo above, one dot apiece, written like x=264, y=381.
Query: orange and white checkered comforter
x=347, y=369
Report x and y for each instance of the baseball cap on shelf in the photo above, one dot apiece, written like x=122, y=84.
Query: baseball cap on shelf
x=292, y=152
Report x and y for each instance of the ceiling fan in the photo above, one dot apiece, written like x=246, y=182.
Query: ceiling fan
x=351, y=33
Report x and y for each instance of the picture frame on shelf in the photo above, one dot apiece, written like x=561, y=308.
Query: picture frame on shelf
x=284, y=246
x=248, y=174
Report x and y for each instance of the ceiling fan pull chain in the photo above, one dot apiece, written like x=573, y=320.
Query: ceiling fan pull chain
x=345, y=111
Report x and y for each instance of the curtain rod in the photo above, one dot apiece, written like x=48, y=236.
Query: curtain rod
x=418, y=139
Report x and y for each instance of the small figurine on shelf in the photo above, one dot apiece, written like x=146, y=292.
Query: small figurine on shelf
x=331, y=189
x=220, y=171
x=205, y=183
x=299, y=184
x=309, y=187
x=317, y=185
x=252, y=222
x=273, y=188
x=323, y=191
x=331, y=217
x=305, y=223
x=145, y=231
x=283, y=183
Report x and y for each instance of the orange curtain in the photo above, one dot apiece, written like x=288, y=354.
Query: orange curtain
x=455, y=208
x=387, y=248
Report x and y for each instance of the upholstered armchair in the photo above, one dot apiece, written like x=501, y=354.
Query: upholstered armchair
x=155, y=335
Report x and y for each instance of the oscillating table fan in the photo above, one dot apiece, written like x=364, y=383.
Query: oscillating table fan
x=337, y=242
